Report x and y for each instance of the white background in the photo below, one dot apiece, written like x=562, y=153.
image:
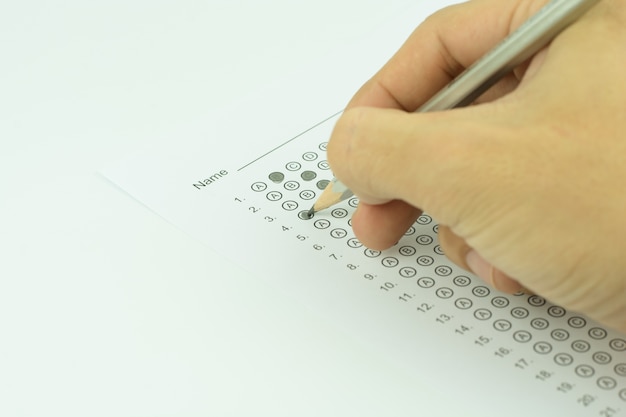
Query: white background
x=106, y=309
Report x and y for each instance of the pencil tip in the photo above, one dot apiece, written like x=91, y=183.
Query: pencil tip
x=309, y=214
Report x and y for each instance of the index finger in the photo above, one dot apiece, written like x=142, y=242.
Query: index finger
x=441, y=48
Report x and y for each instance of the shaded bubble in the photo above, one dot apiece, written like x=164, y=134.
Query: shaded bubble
x=277, y=177
x=322, y=184
x=308, y=175
x=306, y=215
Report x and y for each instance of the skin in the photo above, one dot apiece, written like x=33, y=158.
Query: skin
x=529, y=183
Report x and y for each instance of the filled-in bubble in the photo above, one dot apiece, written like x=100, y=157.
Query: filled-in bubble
x=308, y=175
x=277, y=177
x=322, y=184
x=306, y=214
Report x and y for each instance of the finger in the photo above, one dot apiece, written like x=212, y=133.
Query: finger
x=490, y=274
x=439, y=162
x=380, y=226
x=459, y=252
x=453, y=246
x=441, y=48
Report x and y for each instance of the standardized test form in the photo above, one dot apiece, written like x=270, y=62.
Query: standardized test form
x=242, y=187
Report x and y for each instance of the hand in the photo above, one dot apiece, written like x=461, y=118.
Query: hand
x=529, y=184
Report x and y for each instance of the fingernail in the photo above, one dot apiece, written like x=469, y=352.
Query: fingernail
x=479, y=266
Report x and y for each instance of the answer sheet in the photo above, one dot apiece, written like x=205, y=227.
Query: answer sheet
x=241, y=187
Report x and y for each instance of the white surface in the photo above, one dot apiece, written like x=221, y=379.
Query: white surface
x=107, y=310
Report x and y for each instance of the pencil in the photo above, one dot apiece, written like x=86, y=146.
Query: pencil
x=516, y=48
x=334, y=193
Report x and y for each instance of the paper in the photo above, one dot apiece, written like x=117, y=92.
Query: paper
x=240, y=189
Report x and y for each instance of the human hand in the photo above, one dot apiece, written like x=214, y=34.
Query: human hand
x=529, y=184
